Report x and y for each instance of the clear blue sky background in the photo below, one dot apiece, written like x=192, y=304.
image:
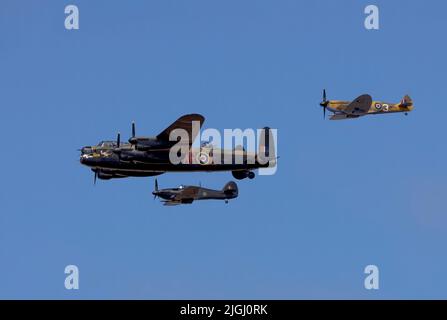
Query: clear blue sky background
x=346, y=194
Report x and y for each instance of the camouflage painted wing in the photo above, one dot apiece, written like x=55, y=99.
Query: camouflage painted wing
x=187, y=195
x=342, y=116
x=186, y=123
x=171, y=203
x=360, y=106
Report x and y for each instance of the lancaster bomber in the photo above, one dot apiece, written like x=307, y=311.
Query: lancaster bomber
x=362, y=106
x=188, y=194
x=150, y=156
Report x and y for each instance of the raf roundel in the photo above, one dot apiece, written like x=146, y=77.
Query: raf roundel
x=203, y=158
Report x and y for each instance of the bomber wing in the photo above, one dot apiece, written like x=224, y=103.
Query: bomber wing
x=359, y=106
x=186, y=123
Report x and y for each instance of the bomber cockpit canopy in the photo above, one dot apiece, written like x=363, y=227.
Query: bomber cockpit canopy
x=110, y=144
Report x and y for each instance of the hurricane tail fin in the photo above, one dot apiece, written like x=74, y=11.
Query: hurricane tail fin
x=231, y=188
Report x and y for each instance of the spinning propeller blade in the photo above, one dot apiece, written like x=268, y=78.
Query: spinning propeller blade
x=324, y=103
x=156, y=189
x=132, y=139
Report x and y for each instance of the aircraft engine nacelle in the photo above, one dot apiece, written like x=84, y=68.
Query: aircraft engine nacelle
x=239, y=175
x=146, y=144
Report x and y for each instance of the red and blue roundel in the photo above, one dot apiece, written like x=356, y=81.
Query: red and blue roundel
x=378, y=106
x=203, y=158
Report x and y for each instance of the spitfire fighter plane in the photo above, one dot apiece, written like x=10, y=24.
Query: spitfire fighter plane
x=150, y=156
x=362, y=106
x=188, y=194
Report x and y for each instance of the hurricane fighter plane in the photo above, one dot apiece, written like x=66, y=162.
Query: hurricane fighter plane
x=362, y=106
x=149, y=156
x=188, y=194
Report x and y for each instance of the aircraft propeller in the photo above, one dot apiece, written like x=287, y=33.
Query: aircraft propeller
x=96, y=176
x=324, y=103
x=132, y=139
x=117, y=150
x=156, y=189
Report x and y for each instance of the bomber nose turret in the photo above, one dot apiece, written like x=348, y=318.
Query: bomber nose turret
x=84, y=159
x=86, y=154
x=87, y=158
x=86, y=150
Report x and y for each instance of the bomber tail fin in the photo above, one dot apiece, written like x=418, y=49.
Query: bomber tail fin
x=267, y=149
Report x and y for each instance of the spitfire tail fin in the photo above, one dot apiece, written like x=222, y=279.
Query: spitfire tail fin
x=407, y=101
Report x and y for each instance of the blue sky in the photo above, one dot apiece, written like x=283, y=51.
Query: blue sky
x=346, y=194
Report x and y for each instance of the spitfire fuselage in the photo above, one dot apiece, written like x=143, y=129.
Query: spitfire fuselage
x=338, y=106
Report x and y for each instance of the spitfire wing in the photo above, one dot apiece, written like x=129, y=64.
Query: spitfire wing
x=342, y=116
x=359, y=106
x=186, y=123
